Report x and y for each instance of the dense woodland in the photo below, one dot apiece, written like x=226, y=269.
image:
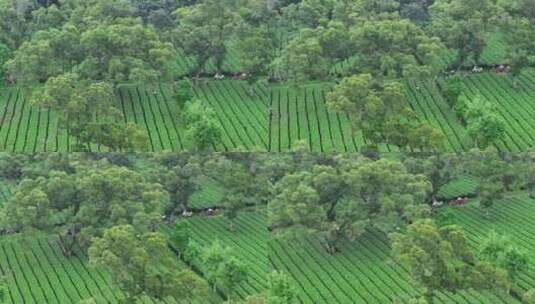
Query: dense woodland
x=75, y=55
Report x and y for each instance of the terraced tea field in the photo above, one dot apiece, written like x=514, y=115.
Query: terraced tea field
x=513, y=216
x=276, y=118
x=208, y=196
x=248, y=241
x=36, y=271
x=515, y=106
x=361, y=272
x=301, y=115
x=463, y=186
x=493, y=54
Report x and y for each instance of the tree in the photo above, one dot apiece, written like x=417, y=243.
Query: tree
x=156, y=12
x=415, y=55
x=452, y=88
x=302, y=59
x=143, y=265
x=280, y=289
x=5, y=54
x=4, y=292
x=240, y=187
x=440, y=169
x=203, y=29
x=139, y=56
x=462, y=26
x=415, y=10
x=12, y=166
x=529, y=177
x=518, y=60
x=517, y=25
x=309, y=13
x=483, y=122
x=336, y=43
x=181, y=181
x=257, y=37
x=490, y=191
x=381, y=112
x=88, y=112
x=34, y=61
x=439, y=259
x=81, y=205
x=94, y=52
x=500, y=251
x=13, y=24
x=204, y=130
x=529, y=296
x=423, y=136
x=222, y=268
x=335, y=203
x=183, y=92
x=179, y=237
x=256, y=51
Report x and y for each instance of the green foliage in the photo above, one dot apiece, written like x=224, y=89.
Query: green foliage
x=204, y=130
x=462, y=24
x=13, y=23
x=256, y=52
x=79, y=206
x=183, y=91
x=241, y=188
x=490, y=191
x=452, y=89
x=144, y=265
x=301, y=59
x=483, y=122
x=440, y=259
x=5, y=54
x=79, y=103
x=336, y=203
x=203, y=29
x=223, y=268
x=381, y=112
x=416, y=55
x=439, y=169
x=11, y=166
x=500, y=251
x=138, y=56
x=519, y=35
x=86, y=42
x=460, y=106
x=529, y=296
x=181, y=181
x=280, y=289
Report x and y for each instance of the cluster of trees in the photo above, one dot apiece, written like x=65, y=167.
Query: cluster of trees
x=337, y=199
x=382, y=113
x=113, y=206
x=437, y=253
x=76, y=53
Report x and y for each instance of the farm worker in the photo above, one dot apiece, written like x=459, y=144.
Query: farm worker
x=210, y=212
